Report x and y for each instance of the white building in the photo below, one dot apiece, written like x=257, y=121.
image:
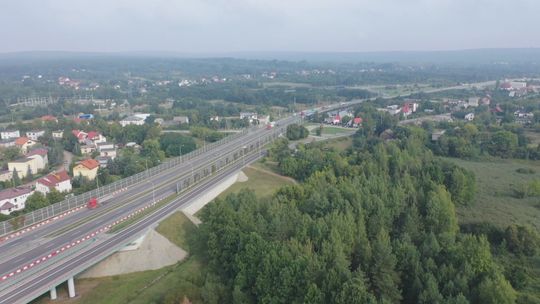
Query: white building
x=13, y=199
x=59, y=181
x=473, y=101
x=9, y=134
x=249, y=115
x=469, y=117
x=144, y=116
x=34, y=135
x=104, y=146
x=181, y=119
x=132, y=120
x=96, y=137
x=110, y=153
x=58, y=134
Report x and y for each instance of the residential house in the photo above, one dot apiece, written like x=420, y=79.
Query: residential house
x=10, y=134
x=87, y=149
x=181, y=120
x=103, y=161
x=58, y=134
x=48, y=118
x=5, y=175
x=132, y=120
x=357, y=122
x=144, y=116
x=469, y=116
x=249, y=116
x=57, y=180
x=96, y=137
x=41, y=155
x=485, y=100
x=34, y=135
x=159, y=121
x=24, y=143
x=473, y=101
x=104, y=145
x=336, y=120
x=108, y=152
x=393, y=109
x=13, y=199
x=81, y=135
x=24, y=165
x=87, y=168
x=523, y=117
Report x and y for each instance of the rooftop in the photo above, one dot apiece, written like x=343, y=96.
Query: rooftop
x=21, y=141
x=40, y=151
x=89, y=163
x=13, y=192
x=52, y=179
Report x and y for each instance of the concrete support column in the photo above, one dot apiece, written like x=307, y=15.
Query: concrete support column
x=71, y=287
x=53, y=293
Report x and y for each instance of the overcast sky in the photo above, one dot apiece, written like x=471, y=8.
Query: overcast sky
x=214, y=26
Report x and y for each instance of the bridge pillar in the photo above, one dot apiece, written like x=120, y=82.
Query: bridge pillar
x=71, y=287
x=53, y=293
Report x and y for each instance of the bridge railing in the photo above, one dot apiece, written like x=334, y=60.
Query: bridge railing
x=61, y=208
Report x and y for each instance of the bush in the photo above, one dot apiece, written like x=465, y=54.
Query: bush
x=525, y=171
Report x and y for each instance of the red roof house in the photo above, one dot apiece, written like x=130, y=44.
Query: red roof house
x=58, y=180
x=49, y=118
x=81, y=135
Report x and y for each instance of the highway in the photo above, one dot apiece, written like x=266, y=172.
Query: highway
x=20, y=251
x=55, y=273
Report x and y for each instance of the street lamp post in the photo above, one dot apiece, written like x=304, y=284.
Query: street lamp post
x=153, y=192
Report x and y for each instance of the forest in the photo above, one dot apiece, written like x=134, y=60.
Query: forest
x=373, y=224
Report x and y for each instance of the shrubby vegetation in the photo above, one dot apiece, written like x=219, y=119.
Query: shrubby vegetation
x=295, y=132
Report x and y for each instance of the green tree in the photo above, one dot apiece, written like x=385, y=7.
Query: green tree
x=174, y=144
x=36, y=201
x=151, y=150
x=29, y=175
x=440, y=213
x=496, y=290
x=295, y=132
x=16, y=178
x=355, y=292
x=11, y=153
x=383, y=276
x=54, y=196
x=503, y=144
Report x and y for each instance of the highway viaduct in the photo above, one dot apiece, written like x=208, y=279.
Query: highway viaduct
x=58, y=248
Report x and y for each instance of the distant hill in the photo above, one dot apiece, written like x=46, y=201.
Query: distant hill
x=478, y=56
x=475, y=56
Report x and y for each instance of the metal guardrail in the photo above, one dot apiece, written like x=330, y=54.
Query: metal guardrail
x=36, y=216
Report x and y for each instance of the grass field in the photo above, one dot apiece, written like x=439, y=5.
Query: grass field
x=495, y=202
x=261, y=180
x=176, y=228
x=340, y=144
